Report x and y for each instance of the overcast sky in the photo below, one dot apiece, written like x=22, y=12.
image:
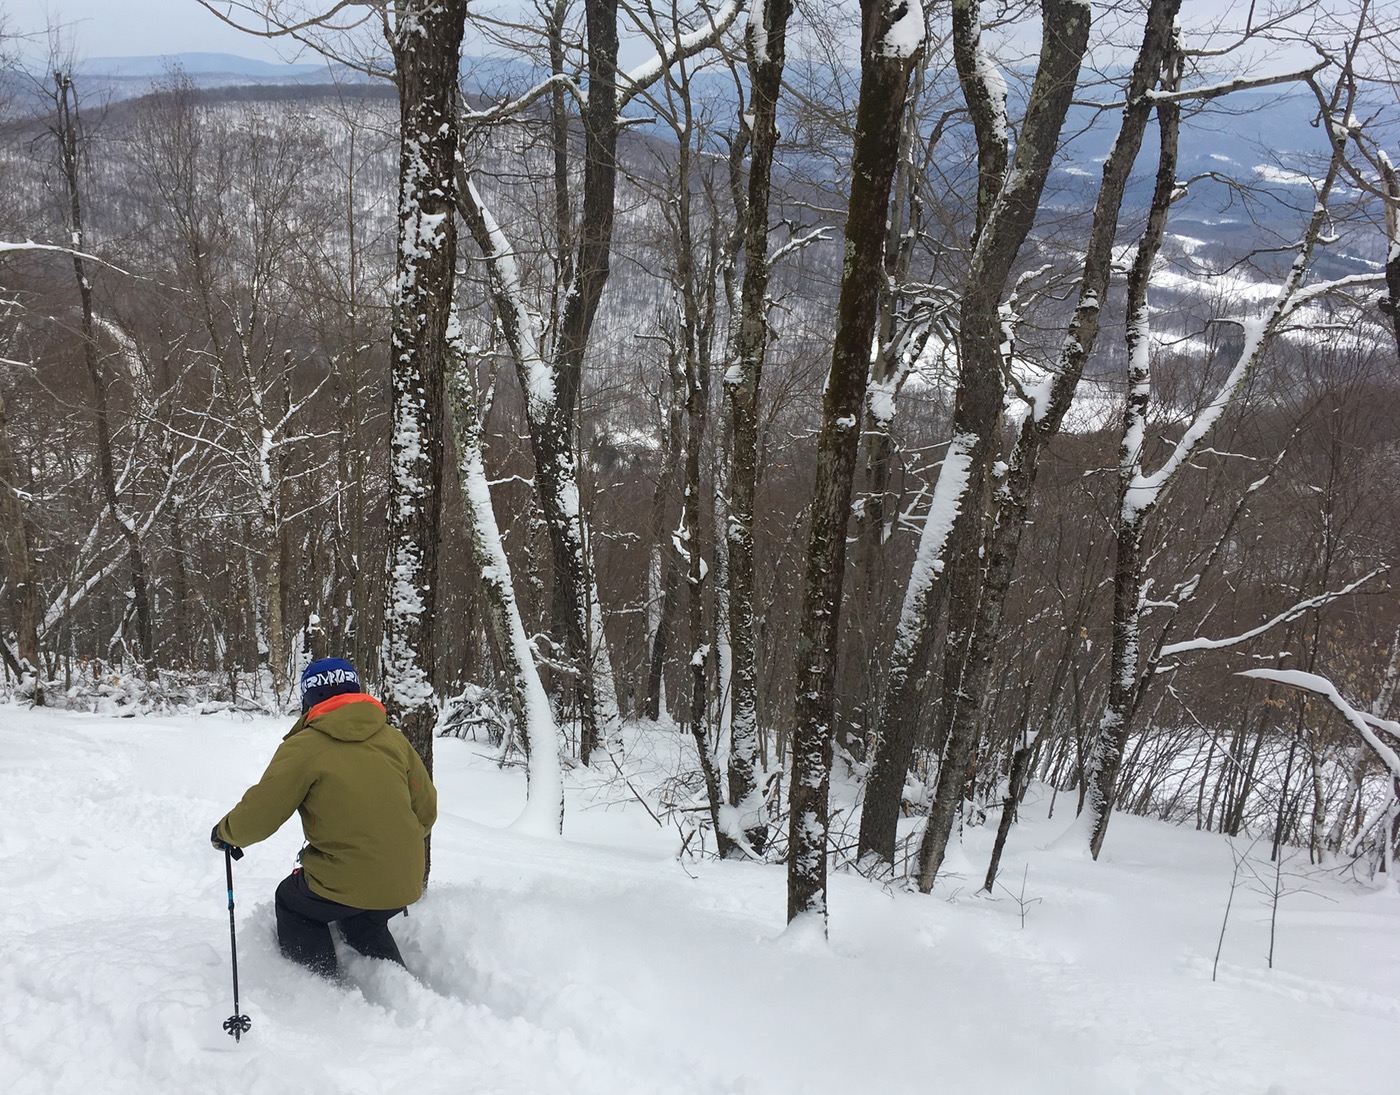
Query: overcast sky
x=132, y=28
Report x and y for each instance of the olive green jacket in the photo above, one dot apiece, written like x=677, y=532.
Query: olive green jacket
x=365, y=799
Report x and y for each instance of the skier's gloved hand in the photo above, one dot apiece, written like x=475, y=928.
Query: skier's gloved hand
x=223, y=845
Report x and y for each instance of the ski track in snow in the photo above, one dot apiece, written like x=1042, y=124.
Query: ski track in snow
x=600, y=965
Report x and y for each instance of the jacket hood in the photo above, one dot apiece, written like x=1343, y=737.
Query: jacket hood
x=351, y=716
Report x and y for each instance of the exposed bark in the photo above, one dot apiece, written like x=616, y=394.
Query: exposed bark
x=1140, y=491
x=664, y=574
x=426, y=40
x=1390, y=188
x=1015, y=784
x=981, y=391
x=884, y=86
x=21, y=591
x=767, y=51
x=1127, y=579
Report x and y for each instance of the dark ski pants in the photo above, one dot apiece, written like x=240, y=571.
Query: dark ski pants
x=303, y=927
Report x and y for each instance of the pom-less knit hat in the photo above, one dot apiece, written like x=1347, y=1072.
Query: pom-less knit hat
x=326, y=678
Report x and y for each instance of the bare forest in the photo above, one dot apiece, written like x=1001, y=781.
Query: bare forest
x=902, y=405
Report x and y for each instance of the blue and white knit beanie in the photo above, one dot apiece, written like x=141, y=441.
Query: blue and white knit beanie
x=326, y=678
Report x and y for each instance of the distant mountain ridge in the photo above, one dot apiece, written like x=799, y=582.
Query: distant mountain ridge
x=195, y=64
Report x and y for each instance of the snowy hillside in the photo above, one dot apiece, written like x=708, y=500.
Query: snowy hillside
x=603, y=964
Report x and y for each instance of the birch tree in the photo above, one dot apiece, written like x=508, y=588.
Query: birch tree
x=533, y=715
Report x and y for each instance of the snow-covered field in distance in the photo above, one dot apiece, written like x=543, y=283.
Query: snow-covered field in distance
x=602, y=964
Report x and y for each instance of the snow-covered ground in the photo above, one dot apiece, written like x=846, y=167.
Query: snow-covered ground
x=603, y=964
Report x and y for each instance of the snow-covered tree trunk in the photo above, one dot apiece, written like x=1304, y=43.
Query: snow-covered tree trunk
x=534, y=717
x=426, y=40
x=552, y=438
x=903, y=701
x=1139, y=491
x=1134, y=504
x=907, y=677
x=892, y=38
x=765, y=38
x=1005, y=223
x=900, y=341
x=1042, y=422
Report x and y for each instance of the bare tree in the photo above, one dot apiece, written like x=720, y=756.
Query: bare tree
x=1140, y=490
x=892, y=37
x=766, y=45
x=67, y=129
x=1008, y=200
x=426, y=40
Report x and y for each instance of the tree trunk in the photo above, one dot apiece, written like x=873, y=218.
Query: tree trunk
x=1106, y=758
x=67, y=131
x=981, y=391
x=22, y=592
x=884, y=84
x=426, y=42
x=1390, y=185
x=669, y=483
x=767, y=50
x=529, y=703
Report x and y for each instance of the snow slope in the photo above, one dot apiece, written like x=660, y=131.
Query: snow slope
x=601, y=964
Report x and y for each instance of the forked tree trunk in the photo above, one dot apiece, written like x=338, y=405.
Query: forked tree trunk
x=981, y=390
x=1140, y=491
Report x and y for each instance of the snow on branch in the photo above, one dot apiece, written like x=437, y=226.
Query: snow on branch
x=1309, y=293
x=1229, y=87
x=525, y=101
x=519, y=324
x=1292, y=613
x=1145, y=488
x=30, y=245
x=631, y=84
x=1321, y=686
x=797, y=243
x=1390, y=726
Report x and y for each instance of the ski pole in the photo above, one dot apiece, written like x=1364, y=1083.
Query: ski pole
x=236, y=1024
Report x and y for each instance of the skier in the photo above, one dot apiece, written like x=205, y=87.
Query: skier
x=366, y=805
